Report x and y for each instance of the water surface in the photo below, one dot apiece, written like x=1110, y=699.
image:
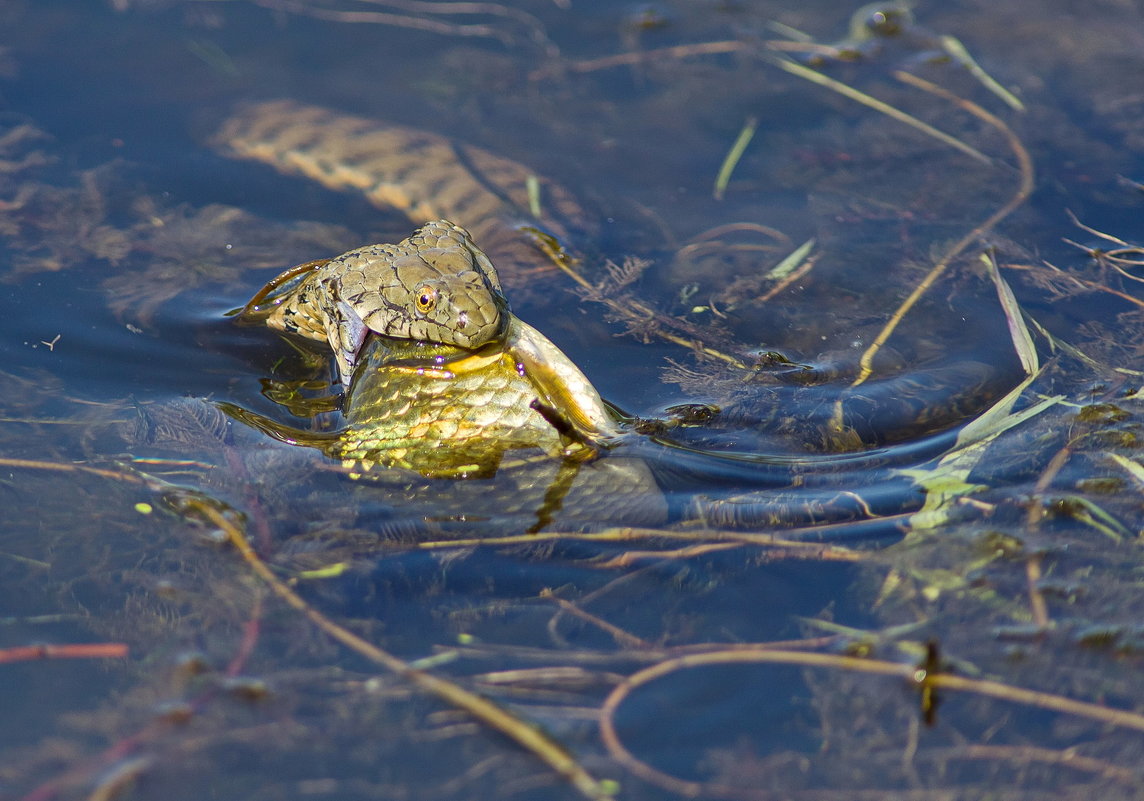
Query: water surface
x=126, y=238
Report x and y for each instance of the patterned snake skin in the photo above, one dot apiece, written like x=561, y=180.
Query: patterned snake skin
x=422, y=174
x=435, y=286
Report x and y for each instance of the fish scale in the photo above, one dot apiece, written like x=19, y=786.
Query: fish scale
x=466, y=388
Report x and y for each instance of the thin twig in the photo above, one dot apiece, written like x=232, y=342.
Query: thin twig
x=619, y=635
x=629, y=558
x=523, y=733
x=794, y=276
x=628, y=59
x=1024, y=189
x=64, y=467
x=95, y=650
x=627, y=534
x=941, y=681
x=1033, y=519
x=1067, y=757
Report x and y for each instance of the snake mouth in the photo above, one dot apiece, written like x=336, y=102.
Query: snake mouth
x=482, y=322
x=475, y=328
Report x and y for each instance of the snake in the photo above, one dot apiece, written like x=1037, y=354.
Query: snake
x=449, y=364
x=439, y=376
x=435, y=286
x=450, y=379
x=459, y=367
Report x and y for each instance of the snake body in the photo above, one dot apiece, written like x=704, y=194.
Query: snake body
x=402, y=407
x=422, y=174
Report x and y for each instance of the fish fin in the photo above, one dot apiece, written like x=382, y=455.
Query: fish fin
x=346, y=335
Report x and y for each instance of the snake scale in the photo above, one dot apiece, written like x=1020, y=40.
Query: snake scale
x=424, y=175
x=435, y=286
x=448, y=390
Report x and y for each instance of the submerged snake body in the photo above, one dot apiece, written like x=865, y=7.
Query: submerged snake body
x=454, y=380
x=425, y=175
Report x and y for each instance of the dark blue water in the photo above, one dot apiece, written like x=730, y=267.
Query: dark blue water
x=125, y=238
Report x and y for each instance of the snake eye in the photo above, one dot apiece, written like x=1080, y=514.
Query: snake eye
x=426, y=299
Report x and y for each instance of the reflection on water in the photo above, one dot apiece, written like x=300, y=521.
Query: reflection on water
x=767, y=489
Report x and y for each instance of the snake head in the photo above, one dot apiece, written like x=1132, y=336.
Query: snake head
x=453, y=307
x=436, y=286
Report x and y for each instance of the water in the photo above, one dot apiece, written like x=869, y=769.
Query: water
x=126, y=238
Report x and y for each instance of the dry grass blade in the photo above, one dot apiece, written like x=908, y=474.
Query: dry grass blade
x=1059, y=344
x=733, y=155
x=1134, y=469
x=792, y=262
x=947, y=483
x=951, y=44
x=796, y=275
x=419, y=15
x=794, y=266
x=806, y=73
x=523, y=733
x=1018, y=331
x=1096, y=518
x=1024, y=189
x=955, y=48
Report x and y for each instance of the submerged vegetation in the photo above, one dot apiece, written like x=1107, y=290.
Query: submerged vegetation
x=888, y=539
